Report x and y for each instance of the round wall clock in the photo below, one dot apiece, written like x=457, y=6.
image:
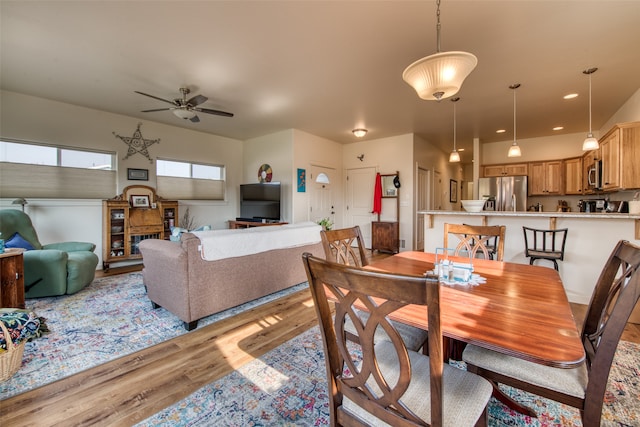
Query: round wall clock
x=265, y=173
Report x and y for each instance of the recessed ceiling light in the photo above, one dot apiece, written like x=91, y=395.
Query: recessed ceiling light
x=501, y=131
x=460, y=149
x=570, y=96
x=558, y=128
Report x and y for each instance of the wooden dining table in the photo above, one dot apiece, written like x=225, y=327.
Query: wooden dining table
x=521, y=310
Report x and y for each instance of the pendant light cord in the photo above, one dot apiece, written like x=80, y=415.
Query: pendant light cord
x=454, y=123
x=590, y=103
x=514, y=114
x=438, y=27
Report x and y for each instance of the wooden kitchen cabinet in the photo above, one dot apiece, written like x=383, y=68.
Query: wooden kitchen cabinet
x=508, y=169
x=124, y=226
x=620, y=150
x=545, y=178
x=573, y=176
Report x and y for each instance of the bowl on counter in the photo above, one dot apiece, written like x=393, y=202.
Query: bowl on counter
x=473, y=205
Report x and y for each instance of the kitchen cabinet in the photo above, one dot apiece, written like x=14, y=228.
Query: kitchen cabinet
x=126, y=224
x=573, y=176
x=508, y=169
x=588, y=162
x=545, y=178
x=620, y=149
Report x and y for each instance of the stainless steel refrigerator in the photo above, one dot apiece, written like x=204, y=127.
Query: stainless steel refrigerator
x=506, y=193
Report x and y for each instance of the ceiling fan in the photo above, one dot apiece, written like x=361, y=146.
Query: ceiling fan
x=186, y=108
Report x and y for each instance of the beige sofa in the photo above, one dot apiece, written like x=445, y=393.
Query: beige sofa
x=238, y=266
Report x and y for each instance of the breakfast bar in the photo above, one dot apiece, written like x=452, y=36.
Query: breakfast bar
x=590, y=240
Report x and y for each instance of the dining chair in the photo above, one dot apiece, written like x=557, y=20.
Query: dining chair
x=545, y=244
x=615, y=295
x=474, y=239
x=385, y=381
x=345, y=246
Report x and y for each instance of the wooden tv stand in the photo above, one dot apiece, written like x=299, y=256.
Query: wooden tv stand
x=246, y=224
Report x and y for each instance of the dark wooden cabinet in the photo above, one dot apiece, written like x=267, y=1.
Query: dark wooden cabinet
x=385, y=236
x=12, y=278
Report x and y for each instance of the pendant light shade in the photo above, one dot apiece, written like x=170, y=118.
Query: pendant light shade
x=454, y=157
x=514, y=150
x=440, y=75
x=590, y=143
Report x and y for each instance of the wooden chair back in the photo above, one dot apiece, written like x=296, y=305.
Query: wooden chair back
x=349, y=286
x=616, y=294
x=476, y=239
x=344, y=246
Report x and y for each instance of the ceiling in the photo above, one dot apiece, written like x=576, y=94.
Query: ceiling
x=327, y=67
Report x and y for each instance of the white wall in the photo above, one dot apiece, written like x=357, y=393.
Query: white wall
x=276, y=150
x=35, y=119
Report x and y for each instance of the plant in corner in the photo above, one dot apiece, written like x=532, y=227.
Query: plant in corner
x=187, y=221
x=325, y=223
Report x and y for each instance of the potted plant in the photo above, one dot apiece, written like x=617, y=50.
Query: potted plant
x=325, y=223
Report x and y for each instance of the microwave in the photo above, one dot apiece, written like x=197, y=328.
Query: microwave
x=594, y=176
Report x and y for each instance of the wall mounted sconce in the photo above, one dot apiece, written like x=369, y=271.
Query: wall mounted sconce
x=20, y=201
x=361, y=157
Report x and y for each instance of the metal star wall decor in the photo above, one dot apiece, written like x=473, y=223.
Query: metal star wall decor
x=137, y=144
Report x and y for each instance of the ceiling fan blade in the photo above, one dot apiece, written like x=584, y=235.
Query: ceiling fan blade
x=155, y=97
x=197, y=100
x=156, y=109
x=195, y=119
x=216, y=112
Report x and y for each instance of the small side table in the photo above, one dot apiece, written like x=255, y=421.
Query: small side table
x=12, y=278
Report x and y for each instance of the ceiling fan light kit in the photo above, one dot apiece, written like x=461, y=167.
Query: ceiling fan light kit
x=440, y=75
x=184, y=108
x=590, y=142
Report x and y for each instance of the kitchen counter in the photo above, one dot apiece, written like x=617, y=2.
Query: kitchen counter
x=590, y=239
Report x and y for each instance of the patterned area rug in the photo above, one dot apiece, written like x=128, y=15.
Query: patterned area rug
x=108, y=319
x=286, y=387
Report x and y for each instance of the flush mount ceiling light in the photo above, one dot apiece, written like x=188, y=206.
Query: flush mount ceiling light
x=359, y=132
x=454, y=157
x=514, y=150
x=590, y=143
x=440, y=75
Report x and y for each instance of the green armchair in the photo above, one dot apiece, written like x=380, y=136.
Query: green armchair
x=53, y=269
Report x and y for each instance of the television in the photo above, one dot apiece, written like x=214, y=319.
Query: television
x=260, y=202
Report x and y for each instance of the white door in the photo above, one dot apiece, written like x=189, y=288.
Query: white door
x=321, y=195
x=423, y=197
x=359, y=200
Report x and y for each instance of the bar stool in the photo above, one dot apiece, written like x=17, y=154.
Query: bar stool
x=545, y=244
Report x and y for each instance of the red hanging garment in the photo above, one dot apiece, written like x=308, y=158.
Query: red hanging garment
x=377, y=195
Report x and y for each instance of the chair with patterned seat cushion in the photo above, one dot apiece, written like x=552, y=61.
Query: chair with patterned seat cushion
x=388, y=384
x=616, y=294
x=51, y=269
x=345, y=246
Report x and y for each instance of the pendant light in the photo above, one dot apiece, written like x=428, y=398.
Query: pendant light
x=439, y=75
x=514, y=150
x=590, y=143
x=454, y=157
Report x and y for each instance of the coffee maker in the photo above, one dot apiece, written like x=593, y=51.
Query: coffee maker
x=592, y=205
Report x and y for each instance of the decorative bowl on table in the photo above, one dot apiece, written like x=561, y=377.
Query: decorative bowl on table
x=473, y=205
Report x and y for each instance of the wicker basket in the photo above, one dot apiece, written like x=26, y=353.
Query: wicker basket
x=10, y=360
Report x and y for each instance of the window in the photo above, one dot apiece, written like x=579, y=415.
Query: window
x=49, y=171
x=187, y=180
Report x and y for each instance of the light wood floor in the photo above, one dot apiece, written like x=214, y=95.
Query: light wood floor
x=134, y=387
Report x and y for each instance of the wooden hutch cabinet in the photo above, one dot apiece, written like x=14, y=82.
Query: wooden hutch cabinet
x=385, y=235
x=131, y=217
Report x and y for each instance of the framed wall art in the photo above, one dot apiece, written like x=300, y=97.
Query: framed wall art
x=137, y=174
x=453, y=191
x=302, y=180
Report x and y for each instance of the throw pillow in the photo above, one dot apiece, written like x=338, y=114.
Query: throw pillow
x=17, y=241
x=176, y=232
